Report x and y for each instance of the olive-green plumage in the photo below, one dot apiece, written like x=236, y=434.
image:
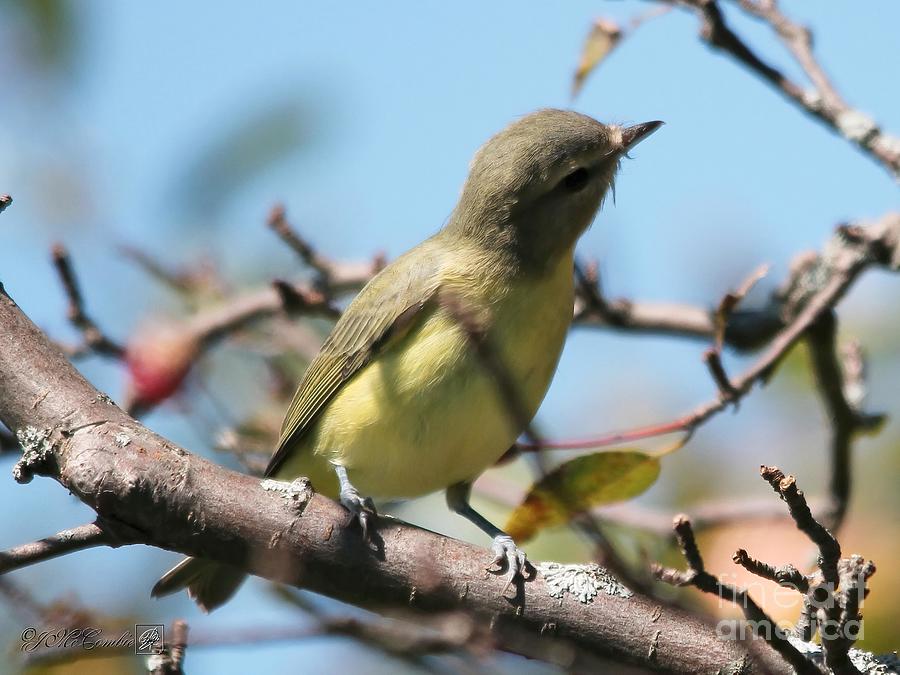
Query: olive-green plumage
x=396, y=396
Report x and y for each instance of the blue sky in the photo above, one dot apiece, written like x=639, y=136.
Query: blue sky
x=390, y=100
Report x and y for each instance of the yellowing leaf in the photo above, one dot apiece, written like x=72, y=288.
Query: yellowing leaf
x=579, y=485
x=604, y=36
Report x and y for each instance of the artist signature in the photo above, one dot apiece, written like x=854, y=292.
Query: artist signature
x=72, y=638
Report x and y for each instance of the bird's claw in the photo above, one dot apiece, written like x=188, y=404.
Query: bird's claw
x=510, y=557
x=362, y=509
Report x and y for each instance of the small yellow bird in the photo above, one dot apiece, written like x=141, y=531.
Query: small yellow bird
x=397, y=403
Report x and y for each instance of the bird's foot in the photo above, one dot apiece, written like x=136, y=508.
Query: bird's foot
x=361, y=508
x=510, y=557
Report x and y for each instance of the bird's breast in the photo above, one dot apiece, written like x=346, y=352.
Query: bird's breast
x=428, y=412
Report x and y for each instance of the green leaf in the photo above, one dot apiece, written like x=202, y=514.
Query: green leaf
x=579, y=485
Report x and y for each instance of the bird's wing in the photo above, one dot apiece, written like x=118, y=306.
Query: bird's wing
x=384, y=309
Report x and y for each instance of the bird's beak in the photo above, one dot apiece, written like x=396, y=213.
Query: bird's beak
x=631, y=136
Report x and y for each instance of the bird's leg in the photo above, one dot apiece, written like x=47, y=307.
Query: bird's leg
x=362, y=508
x=506, y=553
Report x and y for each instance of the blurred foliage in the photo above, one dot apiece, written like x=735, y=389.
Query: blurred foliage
x=239, y=154
x=52, y=36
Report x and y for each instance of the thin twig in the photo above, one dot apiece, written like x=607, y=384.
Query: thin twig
x=821, y=102
x=183, y=281
x=278, y=222
x=78, y=538
x=698, y=577
x=852, y=249
x=747, y=330
x=829, y=548
x=94, y=339
x=844, y=416
x=833, y=596
x=786, y=575
x=332, y=277
x=713, y=360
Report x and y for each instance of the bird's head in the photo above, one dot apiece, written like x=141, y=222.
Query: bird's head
x=536, y=186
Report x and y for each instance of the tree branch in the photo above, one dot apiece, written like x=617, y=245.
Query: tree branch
x=698, y=577
x=94, y=339
x=181, y=502
x=333, y=277
x=822, y=102
x=846, y=419
x=852, y=249
x=67, y=541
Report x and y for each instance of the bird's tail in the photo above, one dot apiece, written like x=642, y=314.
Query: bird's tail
x=209, y=583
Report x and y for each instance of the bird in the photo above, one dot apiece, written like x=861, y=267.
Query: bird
x=397, y=403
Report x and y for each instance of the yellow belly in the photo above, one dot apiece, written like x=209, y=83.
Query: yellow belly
x=425, y=414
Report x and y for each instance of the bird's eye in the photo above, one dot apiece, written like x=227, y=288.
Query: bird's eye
x=576, y=180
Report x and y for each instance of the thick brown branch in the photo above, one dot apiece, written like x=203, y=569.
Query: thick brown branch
x=283, y=532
